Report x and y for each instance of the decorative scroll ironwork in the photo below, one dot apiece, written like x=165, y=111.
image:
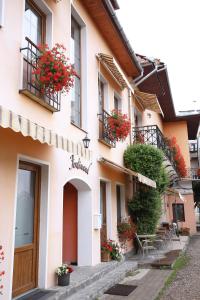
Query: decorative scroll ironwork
x=31, y=54
x=104, y=129
x=153, y=136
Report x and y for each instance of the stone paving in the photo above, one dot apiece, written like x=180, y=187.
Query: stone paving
x=186, y=285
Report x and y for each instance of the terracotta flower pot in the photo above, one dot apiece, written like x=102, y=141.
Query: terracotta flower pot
x=64, y=280
x=105, y=256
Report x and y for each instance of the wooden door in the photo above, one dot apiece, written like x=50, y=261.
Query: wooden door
x=25, y=271
x=103, y=211
x=70, y=224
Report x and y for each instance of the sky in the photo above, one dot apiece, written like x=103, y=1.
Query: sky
x=168, y=30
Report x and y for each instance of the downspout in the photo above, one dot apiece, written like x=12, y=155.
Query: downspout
x=130, y=114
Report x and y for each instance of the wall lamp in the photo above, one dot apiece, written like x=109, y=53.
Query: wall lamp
x=86, y=141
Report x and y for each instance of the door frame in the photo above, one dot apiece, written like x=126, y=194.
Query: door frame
x=26, y=165
x=109, y=215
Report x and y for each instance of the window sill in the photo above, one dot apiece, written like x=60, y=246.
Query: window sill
x=106, y=144
x=38, y=100
x=78, y=127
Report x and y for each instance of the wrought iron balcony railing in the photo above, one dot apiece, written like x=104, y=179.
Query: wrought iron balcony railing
x=30, y=88
x=153, y=136
x=104, y=130
x=192, y=174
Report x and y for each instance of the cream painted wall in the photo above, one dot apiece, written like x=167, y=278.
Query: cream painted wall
x=152, y=118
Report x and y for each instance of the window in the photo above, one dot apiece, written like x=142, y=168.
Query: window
x=178, y=212
x=101, y=96
x=1, y=12
x=137, y=118
x=34, y=23
x=118, y=198
x=76, y=61
x=117, y=102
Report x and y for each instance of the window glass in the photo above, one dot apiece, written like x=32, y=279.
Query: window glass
x=76, y=61
x=118, y=195
x=32, y=24
x=101, y=96
x=25, y=208
x=178, y=212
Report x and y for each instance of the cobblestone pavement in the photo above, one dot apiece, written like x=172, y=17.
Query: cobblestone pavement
x=186, y=286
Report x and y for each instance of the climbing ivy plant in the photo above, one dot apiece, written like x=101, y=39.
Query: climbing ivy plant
x=145, y=207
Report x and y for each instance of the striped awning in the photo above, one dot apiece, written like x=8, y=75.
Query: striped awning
x=149, y=101
x=9, y=119
x=111, y=65
x=141, y=178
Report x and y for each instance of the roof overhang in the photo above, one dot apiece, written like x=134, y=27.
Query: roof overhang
x=141, y=178
x=104, y=16
x=148, y=101
x=9, y=119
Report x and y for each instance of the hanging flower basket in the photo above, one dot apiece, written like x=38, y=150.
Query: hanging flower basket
x=53, y=72
x=118, y=126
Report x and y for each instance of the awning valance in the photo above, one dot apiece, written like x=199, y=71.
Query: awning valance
x=9, y=119
x=141, y=178
x=148, y=101
x=111, y=65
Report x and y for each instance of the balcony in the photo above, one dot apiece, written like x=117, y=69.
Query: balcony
x=192, y=174
x=30, y=88
x=104, y=135
x=153, y=136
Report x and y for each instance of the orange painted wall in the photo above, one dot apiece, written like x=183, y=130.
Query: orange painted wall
x=179, y=130
x=70, y=211
x=188, y=208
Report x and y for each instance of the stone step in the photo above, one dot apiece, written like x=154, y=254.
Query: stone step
x=97, y=288
x=84, y=276
x=90, y=282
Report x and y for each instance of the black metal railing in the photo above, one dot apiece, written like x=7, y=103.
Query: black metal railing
x=30, y=87
x=193, y=147
x=153, y=136
x=192, y=174
x=104, y=129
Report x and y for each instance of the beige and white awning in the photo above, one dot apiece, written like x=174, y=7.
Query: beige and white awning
x=141, y=178
x=149, y=101
x=9, y=119
x=111, y=65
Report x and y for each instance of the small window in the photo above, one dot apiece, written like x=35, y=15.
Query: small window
x=1, y=12
x=101, y=96
x=76, y=61
x=117, y=102
x=119, y=208
x=34, y=23
x=178, y=212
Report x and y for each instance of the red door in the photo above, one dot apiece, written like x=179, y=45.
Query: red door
x=70, y=210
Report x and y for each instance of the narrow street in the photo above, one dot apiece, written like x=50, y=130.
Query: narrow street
x=186, y=285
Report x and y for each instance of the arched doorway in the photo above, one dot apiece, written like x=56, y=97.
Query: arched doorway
x=70, y=224
x=77, y=223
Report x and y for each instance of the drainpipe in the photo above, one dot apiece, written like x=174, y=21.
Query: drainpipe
x=130, y=114
x=145, y=77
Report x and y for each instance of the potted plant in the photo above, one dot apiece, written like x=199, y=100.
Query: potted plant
x=53, y=73
x=63, y=272
x=118, y=126
x=126, y=231
x=106, y=249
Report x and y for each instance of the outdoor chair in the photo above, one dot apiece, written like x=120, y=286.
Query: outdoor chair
x=145, y=245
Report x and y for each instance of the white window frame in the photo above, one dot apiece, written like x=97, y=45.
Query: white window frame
x=2, y=8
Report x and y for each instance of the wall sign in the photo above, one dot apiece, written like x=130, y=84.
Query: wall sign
x=78, y=165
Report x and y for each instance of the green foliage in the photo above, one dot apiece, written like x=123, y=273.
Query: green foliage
x=145, y=209
x=145, y=159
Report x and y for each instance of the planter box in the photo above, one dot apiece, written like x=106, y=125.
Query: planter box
x=105, y=256
x=64, y=280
